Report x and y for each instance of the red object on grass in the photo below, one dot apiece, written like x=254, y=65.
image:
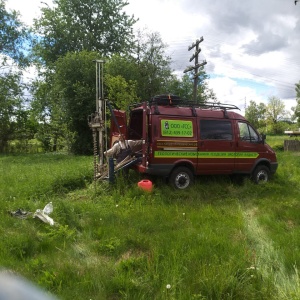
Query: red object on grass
x=145, y=185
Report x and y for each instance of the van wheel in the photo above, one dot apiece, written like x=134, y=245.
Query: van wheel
x=261, y=174
x=181, y=178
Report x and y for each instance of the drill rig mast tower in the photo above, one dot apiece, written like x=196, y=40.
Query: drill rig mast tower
x=97, y=120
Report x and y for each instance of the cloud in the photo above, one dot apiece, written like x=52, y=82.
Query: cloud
x=266, y=42
x=257, y=40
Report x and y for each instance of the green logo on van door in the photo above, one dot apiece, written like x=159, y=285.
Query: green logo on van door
x=178, y=128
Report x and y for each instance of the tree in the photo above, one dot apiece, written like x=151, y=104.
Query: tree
x=255, y=114
x=120, y=92
x=53, y=131
x=122, y=65
x=204, y=93
x=13, y=37
x=10, y=106
x=275, y=111
x=76, y=25
x=184, y=87
x=71, y=34
x=150, y=68
x=154, y=69
x=66, y=98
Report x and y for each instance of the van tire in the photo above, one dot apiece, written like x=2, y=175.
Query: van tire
x=181, y=178
x=261, y=174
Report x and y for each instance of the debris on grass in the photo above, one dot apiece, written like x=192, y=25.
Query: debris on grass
x=20, y=213
x=43, y=215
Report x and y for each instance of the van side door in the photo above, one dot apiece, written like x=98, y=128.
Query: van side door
x=174, y=141
x=216, y=146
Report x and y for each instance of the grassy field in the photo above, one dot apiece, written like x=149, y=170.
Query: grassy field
x=221, y=239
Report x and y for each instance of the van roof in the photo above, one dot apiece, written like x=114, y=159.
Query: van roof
x=173, y=105
x=195, y=111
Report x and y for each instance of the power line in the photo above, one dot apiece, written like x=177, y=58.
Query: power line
x=283, y=85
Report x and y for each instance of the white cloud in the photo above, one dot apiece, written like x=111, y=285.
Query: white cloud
x=29, y=10
x=228, y=90
x=255, y=40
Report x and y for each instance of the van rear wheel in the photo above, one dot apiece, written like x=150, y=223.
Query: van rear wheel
x=181, y=178
x=261, y=174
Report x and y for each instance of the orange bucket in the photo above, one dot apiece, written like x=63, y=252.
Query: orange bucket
x=146, y=185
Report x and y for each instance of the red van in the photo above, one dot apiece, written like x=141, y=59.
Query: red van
x=182, y=139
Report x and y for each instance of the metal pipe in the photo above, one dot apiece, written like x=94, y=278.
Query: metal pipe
x=111, y=170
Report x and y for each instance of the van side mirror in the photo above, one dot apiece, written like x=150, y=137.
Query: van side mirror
x=263, y=138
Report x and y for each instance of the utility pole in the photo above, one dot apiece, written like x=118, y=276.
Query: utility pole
x=197, y=65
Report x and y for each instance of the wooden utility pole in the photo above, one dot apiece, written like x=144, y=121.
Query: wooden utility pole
x=197, y=65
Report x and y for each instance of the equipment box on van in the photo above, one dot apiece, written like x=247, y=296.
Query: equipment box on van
x=182, y=139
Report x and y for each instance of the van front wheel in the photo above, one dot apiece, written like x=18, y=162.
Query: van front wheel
x=181, y=178
x=261, y=174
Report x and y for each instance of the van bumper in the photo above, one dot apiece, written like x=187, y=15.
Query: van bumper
x=273, y=167
x=159, y=170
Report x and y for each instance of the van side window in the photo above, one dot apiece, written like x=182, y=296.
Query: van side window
x=247, y=133
x=215, y=130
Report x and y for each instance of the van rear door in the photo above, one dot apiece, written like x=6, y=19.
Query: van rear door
x=118, y=124
x=216, y=147
x=145, y=136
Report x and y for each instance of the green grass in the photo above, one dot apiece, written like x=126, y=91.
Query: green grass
x=218, y=240
x=30, y=177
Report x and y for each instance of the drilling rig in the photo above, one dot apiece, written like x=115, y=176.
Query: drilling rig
x=97, y=121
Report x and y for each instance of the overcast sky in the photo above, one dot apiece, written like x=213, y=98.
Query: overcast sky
x=252, y=47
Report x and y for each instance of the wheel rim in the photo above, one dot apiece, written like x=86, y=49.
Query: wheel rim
x=182, y=180
x=262, y=176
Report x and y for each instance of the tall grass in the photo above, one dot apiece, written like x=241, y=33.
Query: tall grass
x=35, y=176
x=221, y=239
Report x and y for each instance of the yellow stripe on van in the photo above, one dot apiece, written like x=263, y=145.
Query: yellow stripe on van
x=175, y=154
x=246, y=154
x=194, y=154
x=216, y=154
x=228, y=154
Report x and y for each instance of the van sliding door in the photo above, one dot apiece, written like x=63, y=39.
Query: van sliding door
x=216, y=147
